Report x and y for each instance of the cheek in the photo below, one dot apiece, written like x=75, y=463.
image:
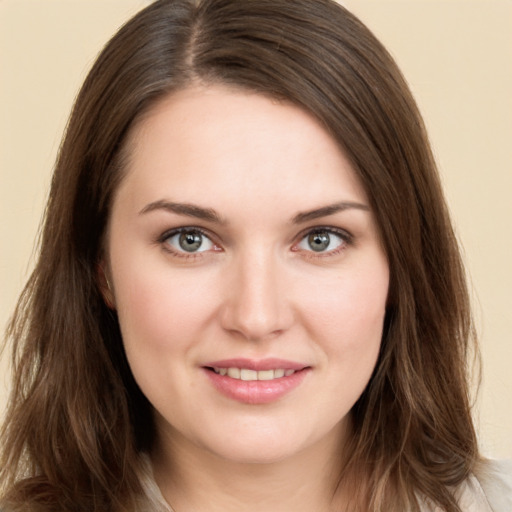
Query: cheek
x=161, y=311
x=350, y=303
x=346, y=317
x=161, y=319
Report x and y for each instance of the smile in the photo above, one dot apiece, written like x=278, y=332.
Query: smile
x=256, y=382
x=247, y=374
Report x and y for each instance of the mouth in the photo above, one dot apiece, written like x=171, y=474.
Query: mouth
x=256, y=382
x=248, y=374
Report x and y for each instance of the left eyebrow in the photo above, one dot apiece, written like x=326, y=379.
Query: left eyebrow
x=331, y=209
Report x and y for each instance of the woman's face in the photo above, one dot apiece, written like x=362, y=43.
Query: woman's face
x=248, y=275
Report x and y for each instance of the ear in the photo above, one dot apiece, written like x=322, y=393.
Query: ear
x=104, y=285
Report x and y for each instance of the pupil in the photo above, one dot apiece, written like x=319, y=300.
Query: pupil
x=191, y=241
x=319, y=241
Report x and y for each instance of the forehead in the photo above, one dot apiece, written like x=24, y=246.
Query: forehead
x=205, y=140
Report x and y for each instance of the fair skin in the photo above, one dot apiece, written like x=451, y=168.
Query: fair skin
x=241, y=241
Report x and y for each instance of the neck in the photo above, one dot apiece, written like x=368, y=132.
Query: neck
x=192, y=479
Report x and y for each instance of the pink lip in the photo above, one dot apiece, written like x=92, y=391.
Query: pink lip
x=253, y=364
x=256, y=392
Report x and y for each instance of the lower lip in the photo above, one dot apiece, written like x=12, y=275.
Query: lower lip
x=256, y=391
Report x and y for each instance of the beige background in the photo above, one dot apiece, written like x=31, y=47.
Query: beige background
x=457, y=56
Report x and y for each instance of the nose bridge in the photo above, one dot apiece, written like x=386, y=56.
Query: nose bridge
x=257, y=306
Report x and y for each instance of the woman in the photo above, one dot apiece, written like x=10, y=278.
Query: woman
x=248, y=293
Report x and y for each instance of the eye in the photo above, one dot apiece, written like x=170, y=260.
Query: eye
x=323, y=240
x=188, y=241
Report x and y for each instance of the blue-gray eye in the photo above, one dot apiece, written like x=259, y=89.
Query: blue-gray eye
x=190, y=240
x=321, y=241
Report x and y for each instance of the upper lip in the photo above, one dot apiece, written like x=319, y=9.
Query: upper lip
x=257, y=364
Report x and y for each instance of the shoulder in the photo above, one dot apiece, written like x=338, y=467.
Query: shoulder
x=495, y=479
x=489, y=489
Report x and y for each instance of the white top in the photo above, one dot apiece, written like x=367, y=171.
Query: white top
x=490, y=491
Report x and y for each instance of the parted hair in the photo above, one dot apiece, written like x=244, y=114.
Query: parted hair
x=77, y=424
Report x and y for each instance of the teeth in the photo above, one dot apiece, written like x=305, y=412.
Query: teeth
x=234, y=373
x=266, y=375
x=248, y=375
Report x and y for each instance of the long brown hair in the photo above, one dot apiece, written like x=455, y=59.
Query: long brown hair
x=77, y=423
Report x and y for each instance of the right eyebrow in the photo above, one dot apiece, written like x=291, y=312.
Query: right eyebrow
x=187, y=209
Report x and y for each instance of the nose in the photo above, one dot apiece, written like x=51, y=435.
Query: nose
x=257, y=305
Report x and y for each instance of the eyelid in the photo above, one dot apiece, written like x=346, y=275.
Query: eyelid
x=347, y=238
x=343, y=233
x=176, y=231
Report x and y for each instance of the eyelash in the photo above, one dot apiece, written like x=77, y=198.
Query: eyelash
x=177, y=231
x=346, y=241
x=346, y=238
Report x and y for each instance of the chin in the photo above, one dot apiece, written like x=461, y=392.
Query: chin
x=259, y=446
x=256, y=453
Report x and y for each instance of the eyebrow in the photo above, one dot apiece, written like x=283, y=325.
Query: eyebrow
x=331, y=209
x=190, y=210
x=209, y=214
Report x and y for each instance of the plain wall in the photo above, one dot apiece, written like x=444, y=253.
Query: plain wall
x=457, y=57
